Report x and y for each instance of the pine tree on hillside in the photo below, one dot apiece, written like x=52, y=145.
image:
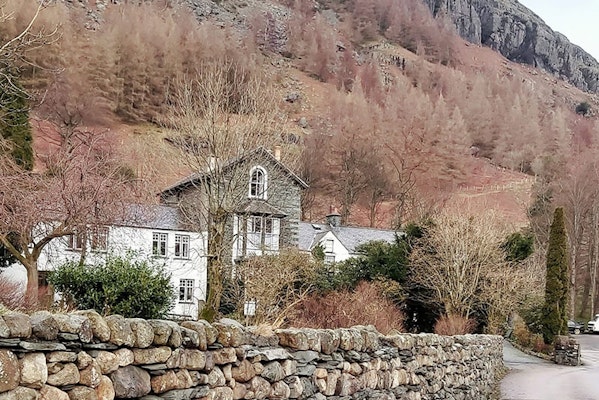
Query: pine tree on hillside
x=15, y=129
x=14, y=123
x=557, y=283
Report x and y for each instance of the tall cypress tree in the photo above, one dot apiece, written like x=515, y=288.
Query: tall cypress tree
x=14, y=120
x=557, y=285
x=15, y=129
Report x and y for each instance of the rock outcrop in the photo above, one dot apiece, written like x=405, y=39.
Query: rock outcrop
x=522, y=36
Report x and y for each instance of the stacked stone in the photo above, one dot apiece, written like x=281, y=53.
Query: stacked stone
x=85, y=356
x=360, y=363
x=566, y=351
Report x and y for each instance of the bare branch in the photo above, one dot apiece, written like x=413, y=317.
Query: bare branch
x=225, y=121
x=81, y=186
x=460, y=260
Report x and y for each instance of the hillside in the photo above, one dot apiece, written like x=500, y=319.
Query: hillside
x=431, y=119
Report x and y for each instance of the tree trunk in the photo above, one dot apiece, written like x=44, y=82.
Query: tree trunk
x=594, y=262
x=586, y=288
x=373, y=207
x=31, y=295
x=577, y=233
x=216, y=267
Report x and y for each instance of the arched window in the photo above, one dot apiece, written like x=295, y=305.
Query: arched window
x=258, y=183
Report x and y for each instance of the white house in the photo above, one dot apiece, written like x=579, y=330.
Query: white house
x=266, y=219
x=339, y=242
x=151, y=231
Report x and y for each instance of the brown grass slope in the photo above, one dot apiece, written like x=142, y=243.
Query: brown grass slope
x=430, y=120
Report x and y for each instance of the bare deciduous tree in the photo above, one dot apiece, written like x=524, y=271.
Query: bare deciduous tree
x=577, y=192
x=378, y=184
x=403, y=183
x=79, y=188
x=348, y=181
x=13, y=48
x=273, y=284
x=461, y=262
x=220, y=116
x=312, y=171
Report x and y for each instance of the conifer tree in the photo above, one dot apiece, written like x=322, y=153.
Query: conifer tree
x=14, y=121
x=557, y=283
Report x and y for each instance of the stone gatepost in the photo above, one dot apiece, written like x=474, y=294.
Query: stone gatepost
x=567, y=351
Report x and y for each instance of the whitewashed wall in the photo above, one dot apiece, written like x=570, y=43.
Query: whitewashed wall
x=122, y=239
x=339, y=251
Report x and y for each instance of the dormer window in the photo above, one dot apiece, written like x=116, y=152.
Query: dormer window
x=258, y=183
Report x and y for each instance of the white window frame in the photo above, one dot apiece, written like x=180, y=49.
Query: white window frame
x=258, y=189
x=329, y=246
x=186, y=287
x=76, y=241
x=257, y=233
x=253, y=236
x=255, y=224
x=182, y=243
x=329, y=258
x=268, y=225
x=159, y=239
x=99, y=239
x=94, y=238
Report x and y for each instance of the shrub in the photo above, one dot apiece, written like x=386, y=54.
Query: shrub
x=126, y=285
x=375, y=260
x=273, y=283
x=11, y=294
x=583, y=108
x=531, y=312
x=332, y=277
x=378, y=259
x=518, y=246
x=454, y=325
x=526, y=338
x=366, y=305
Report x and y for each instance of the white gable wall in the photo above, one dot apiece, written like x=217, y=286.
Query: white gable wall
x=339, y=251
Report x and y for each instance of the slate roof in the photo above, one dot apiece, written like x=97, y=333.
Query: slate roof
x=153, y=217
x=307, y=233
x=350, y=236
x=260, y=207
x=198, y=176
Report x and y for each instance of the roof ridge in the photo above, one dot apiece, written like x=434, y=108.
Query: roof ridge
x=228, y=163
x=349, y=226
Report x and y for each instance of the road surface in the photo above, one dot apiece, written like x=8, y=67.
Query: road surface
x=531, y=378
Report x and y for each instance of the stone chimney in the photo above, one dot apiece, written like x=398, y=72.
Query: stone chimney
x=277, y=153
x=334, y=218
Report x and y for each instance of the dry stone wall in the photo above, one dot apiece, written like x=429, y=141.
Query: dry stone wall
x=85, y=356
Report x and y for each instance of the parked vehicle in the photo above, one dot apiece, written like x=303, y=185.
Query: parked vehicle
x=575, y=327
x=591, y=326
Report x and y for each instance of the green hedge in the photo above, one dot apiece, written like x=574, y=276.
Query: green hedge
x=126, y=285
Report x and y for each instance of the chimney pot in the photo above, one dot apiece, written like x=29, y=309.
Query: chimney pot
x=212, y=164
x=277, y=153
x=334, y=218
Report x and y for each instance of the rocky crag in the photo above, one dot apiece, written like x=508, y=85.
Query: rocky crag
x=522, y=36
